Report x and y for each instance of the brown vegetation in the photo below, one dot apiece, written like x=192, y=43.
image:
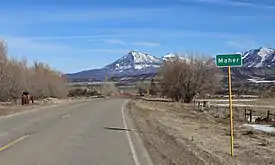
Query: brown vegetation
x=175, y=133
x=108, y=88
x=182, y=80
x=16, y=77
x=80, y=92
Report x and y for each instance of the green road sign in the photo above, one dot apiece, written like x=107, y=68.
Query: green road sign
x=225, y=60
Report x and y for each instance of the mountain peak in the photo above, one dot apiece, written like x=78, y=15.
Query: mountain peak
x=171, y=56
x=262, y=57
x=139, y=55
x=135, y=60
x=265, y=48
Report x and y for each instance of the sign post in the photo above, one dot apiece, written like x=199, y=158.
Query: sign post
x=230, y=60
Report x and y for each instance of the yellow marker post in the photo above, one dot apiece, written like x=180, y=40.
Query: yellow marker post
x=230, y=60
x=231, y=113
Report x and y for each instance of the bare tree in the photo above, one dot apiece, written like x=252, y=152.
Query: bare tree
x=153, y=88
x=183, y=78
x=16, y=78
x=3, y=71
x=40, y=79
x=46, y=82
x=141, y=88
x=108, y=88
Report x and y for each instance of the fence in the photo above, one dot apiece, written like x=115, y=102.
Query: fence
x=252, y=117
x=201, y=105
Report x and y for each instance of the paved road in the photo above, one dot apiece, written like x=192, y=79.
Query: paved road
x=87, y=133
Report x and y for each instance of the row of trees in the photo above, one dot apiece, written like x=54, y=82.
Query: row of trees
x=40, y=80
x=182, y=79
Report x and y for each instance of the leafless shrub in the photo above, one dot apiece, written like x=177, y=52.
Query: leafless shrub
x=16, y=77
x=17, y=80
x=182, y=79
x=141, y=88
x=3, y=71
x=153, y=88
x=108, y=88
x=79, y=92
x=46, y=82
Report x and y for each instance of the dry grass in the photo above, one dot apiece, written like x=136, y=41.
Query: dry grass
x=208, y=134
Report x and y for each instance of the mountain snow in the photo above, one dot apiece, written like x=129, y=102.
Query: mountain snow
x=262, y=57
x=135, y=60
x=168, y=56
x=171, y=56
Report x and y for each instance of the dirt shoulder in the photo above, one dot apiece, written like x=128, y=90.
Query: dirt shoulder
x=175, y=133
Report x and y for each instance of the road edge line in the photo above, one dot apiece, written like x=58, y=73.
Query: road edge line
x=132, y=148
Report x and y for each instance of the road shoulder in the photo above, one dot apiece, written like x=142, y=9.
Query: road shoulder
x=139, y=149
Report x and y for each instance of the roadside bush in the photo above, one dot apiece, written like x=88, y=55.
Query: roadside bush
x=40, y=80
x=183, y=79
x=141, y=91
x=153, y=88
x=108, y=88
x=82, y=92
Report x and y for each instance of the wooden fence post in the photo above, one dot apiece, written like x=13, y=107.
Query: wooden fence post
x=268, y=114
x=198, y=105
x=245, y=115
x=250, y=116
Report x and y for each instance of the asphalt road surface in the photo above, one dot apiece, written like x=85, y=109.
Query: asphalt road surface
x=95, y=132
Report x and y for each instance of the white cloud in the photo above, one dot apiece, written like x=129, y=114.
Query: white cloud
x=242, y=44
x=61, y=37
x=19, y=43
x=114, y=41
x=142, y=43
x=113, y=35
x=235, y=44
x=89, y=37
x=234, y=3
x=121, y=42
x=145, y=43
x=47, y=15
x=161, y=32
x=107, y=50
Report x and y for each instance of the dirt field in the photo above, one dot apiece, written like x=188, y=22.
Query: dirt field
x=175, y=133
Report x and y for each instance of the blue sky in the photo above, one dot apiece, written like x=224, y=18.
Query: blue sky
x=76, y=35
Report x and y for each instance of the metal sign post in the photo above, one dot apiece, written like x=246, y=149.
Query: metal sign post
x=231, y=112
x=229, y=60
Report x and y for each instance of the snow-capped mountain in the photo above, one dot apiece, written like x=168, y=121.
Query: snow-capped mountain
x=137, y=64
x=133, y=63
x=262, y=57
x=169, y=56
x=135, y=60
